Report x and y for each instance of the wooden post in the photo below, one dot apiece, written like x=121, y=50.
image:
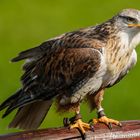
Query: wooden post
x=130, y=129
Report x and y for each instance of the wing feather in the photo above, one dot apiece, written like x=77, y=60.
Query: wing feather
x=61, y=66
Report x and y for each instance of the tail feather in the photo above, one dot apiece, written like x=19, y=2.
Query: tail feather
x=18, y=102
x=31, y=115
x=12, y=107
x=21, y=99
x=10, y=100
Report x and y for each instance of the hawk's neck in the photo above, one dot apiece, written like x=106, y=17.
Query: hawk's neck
x=118, y=51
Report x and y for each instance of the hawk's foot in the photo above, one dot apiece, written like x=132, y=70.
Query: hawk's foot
x=76, y=122
x=107, y=121
x=80, y=125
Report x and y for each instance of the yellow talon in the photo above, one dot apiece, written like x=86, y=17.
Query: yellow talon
x=107, y=121
x=81, y=125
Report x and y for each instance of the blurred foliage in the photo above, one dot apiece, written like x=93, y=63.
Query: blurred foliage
x=25, y=24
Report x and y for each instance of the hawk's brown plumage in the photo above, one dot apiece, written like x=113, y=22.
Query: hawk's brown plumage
x=74, y=66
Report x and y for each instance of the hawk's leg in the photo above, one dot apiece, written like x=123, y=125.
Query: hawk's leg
x=100, y=112
x=76, y=122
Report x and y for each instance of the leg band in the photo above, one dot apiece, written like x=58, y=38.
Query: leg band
x=101, y=113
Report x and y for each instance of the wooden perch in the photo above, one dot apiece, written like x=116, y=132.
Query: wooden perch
x=130, y=129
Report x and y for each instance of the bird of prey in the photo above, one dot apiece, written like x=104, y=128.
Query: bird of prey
x=72, y=67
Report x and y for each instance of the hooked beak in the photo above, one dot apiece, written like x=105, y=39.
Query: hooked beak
x=133, y=25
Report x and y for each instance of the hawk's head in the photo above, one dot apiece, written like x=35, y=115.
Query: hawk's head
x=127, y=23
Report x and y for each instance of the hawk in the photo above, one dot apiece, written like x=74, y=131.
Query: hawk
x=72, y=67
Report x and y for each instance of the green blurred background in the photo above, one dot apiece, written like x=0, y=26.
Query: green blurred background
x=25, y=24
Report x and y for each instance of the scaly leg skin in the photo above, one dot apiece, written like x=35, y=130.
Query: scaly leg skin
x=76, y=122
x=100, y=112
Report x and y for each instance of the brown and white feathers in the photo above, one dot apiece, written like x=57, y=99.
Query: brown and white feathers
x=72, y=66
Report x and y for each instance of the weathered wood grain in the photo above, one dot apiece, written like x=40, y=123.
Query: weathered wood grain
x=129, y=130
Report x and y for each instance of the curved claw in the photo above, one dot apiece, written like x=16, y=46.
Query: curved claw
x=107, y=121
x=66, y=122
x=110, y=126
x=92, y=128
x=80, y=125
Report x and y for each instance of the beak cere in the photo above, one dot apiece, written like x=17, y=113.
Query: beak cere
x=133, y=25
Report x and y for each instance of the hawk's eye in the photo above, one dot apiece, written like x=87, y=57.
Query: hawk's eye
x=130, y=20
